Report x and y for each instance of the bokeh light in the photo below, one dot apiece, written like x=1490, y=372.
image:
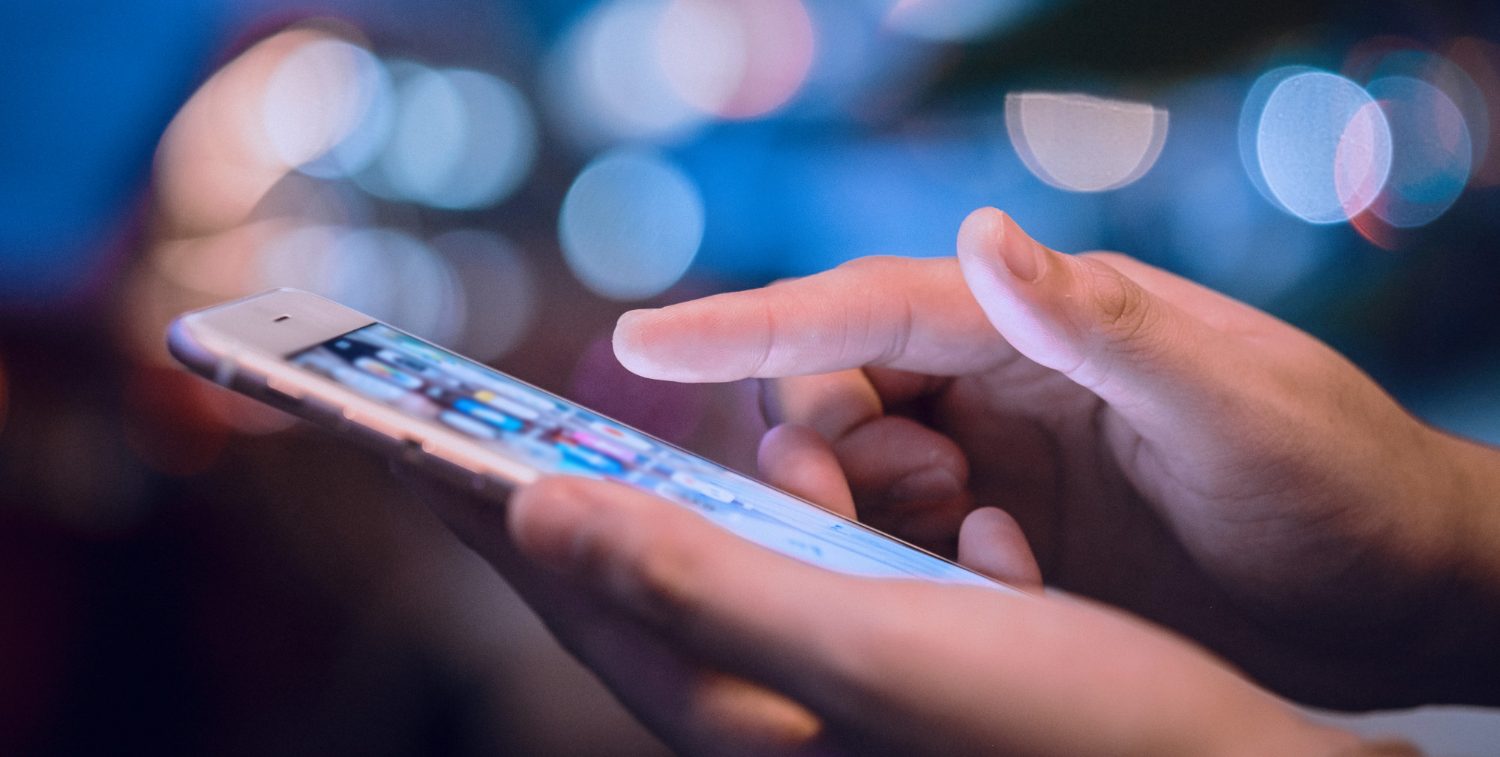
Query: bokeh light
x=605, y=83
x=216, y=160
x=631, y=225
x=318, y=95
x=1432, y=152
x=1321, y=146
x=1198, y=214
x=1480, y=60
x=953, y=20
x=374, y=158
x=1385, y=57
x=222, y=266
x=361, y=144
x=736, y=58
x=460, y=139
x=389, y=274
x=497, y=289
x=1082, y=143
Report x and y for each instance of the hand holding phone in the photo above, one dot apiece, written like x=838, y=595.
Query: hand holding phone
x=722, y=647
x=701, y=597
x=482, y=429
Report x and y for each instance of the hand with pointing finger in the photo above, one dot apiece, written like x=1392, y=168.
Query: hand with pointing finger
x=1160, y=447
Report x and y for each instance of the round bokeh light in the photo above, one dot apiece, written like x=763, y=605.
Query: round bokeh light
x=388, y=274
x=631, y=225
x=460, y=140
x=1432, y=156
x=605, y=81
x=317, y=96
x=1322, y=147
x=1084, y=144
x=736, y=58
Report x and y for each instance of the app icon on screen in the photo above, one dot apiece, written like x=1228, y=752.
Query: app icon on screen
x=581, y=455
x=488, y=414
x=621, y=436
x=694, y=483
x=510, y=406
x=468, y=425
x=381, y=370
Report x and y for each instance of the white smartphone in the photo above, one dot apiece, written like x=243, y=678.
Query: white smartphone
x=479, y=428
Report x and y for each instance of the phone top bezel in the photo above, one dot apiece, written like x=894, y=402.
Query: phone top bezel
x=221, y=343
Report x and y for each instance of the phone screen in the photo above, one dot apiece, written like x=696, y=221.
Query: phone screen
x=556, y=436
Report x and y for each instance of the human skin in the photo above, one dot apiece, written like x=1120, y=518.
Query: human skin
x=1162, y=447
x=722, y=647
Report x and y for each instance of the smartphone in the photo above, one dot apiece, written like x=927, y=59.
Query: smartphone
x=481, y=429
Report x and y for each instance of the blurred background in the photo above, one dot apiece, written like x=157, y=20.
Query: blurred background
x=182, y=571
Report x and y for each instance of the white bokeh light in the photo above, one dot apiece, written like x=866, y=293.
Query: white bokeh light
x=735, y=59
x=317, y=96
x=605, y=81
x=631, y=225
x=459, y=140
x=1321, y=146
x=363, y=143
x=388, y=274
x=501, y=145
x=1085, y=144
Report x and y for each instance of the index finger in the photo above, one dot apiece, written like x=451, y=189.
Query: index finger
x=906, y=313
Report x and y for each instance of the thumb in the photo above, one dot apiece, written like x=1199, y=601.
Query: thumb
x=1082, y=317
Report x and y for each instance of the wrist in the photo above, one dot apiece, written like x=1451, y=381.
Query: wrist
x=1476, y=498
x=1466, y=660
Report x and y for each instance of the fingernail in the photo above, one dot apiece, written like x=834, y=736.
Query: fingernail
x=932, y=484
x=1021, y=255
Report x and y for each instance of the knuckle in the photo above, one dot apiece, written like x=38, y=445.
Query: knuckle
x=526, y=516
x=865, y=263
x=1124, y=310
x=1110, y=258
x=876, y=265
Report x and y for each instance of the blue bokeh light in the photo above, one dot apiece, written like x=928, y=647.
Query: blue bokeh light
x=1432, y=156
x=1322, y=146
x=631, y=225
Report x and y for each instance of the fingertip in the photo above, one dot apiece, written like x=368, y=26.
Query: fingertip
x=632, y=342
x=991, y=542
x=784, y=438
x=1002, y=247
x=979, y=241
x=797, y=459
x=981, y=230
x=546, y=516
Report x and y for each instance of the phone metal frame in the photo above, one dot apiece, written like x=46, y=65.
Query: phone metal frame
x=245, y=344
